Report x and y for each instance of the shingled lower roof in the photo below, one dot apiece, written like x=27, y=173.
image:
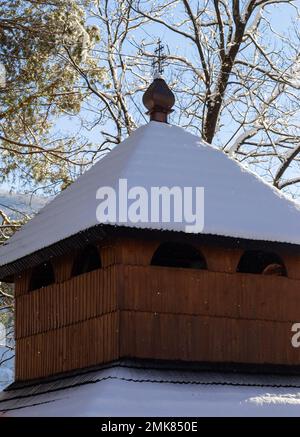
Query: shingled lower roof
x=130, y=388
x=237, y=203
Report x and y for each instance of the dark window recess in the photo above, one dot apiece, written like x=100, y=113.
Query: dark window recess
x=259, y=262
x=178, y=255
x=86, y=261
x=41, y=276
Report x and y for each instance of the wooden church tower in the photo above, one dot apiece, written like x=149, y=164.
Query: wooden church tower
x=89, y=293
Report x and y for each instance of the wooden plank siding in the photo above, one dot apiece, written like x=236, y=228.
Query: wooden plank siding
x=68, y=325
x=76, y=346
x=80, y=298
x=205, y=339
x=200, y=292
x=129, y=308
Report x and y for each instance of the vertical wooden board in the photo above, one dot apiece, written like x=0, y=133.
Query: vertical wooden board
x=99, y=294
x=22, y=282
x=117, y=335
x=115, y=289
x=28, y=314
x=104, y=337
x=125, y=341
x=19, y=284
x=90, y=295
x=130, y=285
x=65, y=312
x=101, y=327
x=109, y=335
x=122, y=277
x=95, y=295
x=83, y=295
x=103, y=294
x=62, y=266
x=18, y=320
x=107, y=252
x=109, y=292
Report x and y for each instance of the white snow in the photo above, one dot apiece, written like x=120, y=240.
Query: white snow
x=131, y=395
x=237, y=203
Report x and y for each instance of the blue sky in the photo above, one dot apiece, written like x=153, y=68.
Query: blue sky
x=281, y=16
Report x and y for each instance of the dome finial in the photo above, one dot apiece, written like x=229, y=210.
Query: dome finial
x=158, y=98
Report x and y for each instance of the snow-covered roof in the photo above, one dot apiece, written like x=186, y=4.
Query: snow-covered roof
x=237, y=203
x=124, y=390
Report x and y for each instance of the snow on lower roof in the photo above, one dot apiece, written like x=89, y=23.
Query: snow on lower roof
x=237, y=203
x=133, y=391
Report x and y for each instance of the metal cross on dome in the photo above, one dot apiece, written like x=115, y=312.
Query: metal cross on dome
x=159, y=59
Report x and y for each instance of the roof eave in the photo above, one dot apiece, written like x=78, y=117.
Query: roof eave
x=102, y=231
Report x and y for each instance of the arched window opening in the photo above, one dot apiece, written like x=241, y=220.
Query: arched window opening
x=42, y=276
x=86, y=261
x=259, y=262
x=178, y=255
